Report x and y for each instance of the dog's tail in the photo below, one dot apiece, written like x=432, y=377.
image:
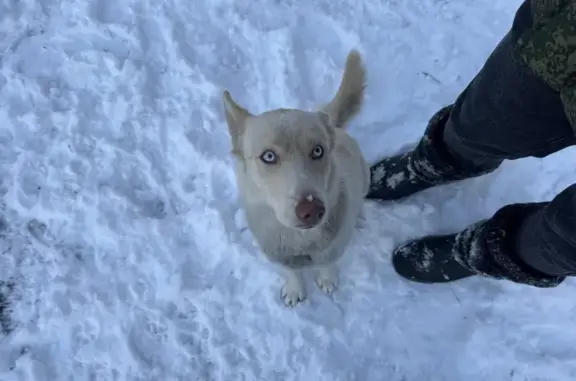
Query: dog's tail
x=350, y=95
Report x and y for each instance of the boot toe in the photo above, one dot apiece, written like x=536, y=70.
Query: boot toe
x=429, y=260
x=392, y=179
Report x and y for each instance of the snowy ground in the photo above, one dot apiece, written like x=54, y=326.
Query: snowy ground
x=121, y=247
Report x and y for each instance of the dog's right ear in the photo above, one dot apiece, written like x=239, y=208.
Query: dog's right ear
x=235, y=118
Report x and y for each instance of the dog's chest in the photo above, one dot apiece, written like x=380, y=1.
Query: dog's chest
x=296, y=250
x=310, y=242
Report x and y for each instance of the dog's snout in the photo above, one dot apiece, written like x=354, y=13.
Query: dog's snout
x=310, y=211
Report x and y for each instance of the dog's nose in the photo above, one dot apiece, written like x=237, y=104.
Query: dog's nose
x=310, y=211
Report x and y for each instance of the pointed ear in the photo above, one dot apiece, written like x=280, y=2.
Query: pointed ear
x=235, y=118
x=349, y=98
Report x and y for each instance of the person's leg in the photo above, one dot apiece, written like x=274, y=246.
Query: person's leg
x=531, y=244
x=505, y=113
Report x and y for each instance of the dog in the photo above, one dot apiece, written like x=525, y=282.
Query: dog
x=302, y=180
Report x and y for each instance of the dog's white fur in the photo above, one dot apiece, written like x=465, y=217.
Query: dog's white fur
x=269, y=193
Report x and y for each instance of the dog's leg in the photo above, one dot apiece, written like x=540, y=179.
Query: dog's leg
x=327, y=278
x=294, y=289
x=361, y=221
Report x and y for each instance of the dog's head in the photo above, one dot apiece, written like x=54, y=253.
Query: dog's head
x=288, y=153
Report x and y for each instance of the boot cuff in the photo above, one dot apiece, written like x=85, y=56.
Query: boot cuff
x=488, y=248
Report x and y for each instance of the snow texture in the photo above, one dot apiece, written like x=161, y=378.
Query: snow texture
x=123, y=251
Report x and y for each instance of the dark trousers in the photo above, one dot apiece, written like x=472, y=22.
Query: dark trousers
x=508, y=113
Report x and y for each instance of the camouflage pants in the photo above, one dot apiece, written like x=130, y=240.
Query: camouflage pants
x=507, y=112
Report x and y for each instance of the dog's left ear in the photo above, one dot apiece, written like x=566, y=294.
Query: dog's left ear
x=350, y=95
x=235, y=118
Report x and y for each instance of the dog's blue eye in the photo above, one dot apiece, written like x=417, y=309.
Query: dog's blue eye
x=317, y=152
x=268, y=157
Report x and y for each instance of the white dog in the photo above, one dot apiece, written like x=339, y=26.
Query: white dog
x=302, y=180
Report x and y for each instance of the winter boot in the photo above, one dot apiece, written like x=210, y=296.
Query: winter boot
x=428, y=165
x=486, y=248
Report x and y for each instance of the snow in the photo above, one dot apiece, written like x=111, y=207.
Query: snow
x=123, y=251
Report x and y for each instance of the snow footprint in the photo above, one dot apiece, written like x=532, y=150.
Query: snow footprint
x=31, y=178
x=192, y=336
x=85, y=333
x=149, y=341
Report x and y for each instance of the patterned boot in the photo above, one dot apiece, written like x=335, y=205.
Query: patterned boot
x=428, y=165
x=486, y=248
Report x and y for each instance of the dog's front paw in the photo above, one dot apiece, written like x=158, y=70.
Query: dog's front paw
x=328, y=285
x=293, y=293
x=327, y=280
